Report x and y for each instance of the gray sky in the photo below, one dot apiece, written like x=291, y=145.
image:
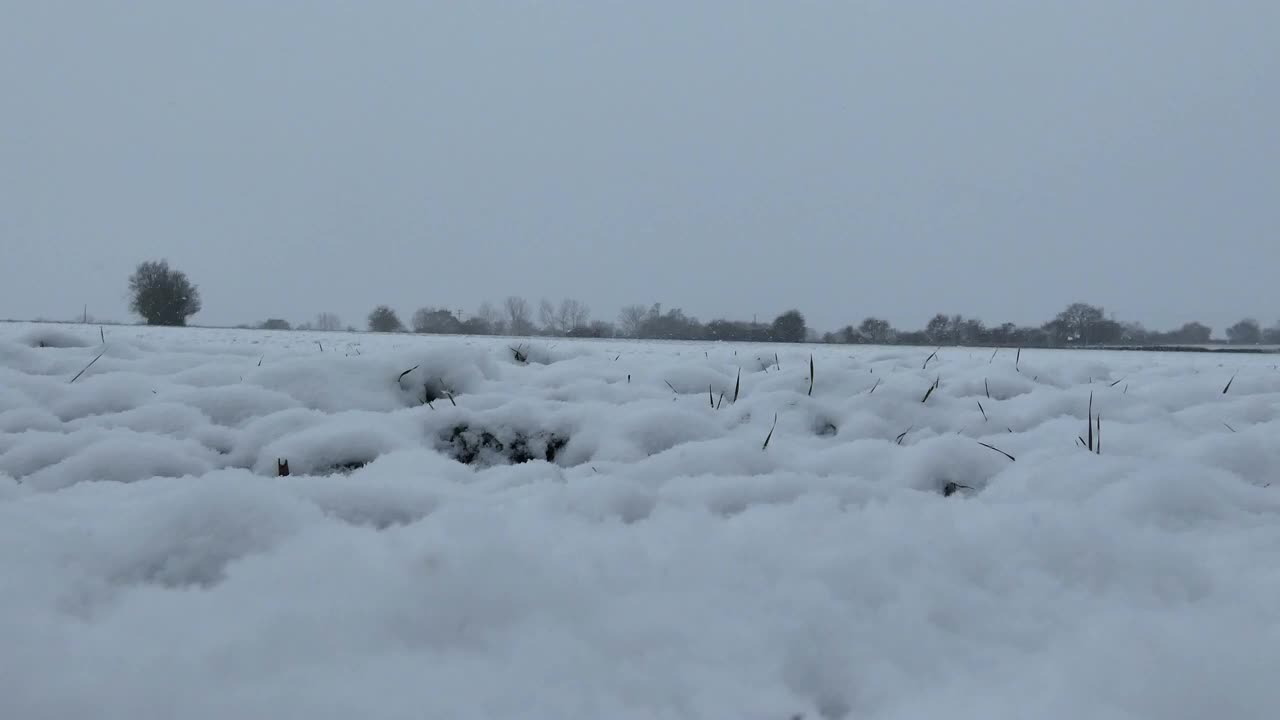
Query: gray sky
x=849, y=159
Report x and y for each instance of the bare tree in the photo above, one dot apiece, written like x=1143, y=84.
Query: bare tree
x=631, y=320
x=547, y=315
x=490, y=318
x=518, y=316
x=571, y=315
x=874, y=330
x=328, y=321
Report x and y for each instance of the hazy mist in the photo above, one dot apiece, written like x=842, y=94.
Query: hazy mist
x=999, y=160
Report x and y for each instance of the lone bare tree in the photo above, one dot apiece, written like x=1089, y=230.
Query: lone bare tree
x=518, y=318
x=161, y=295
x=571, y=315
x=631, y=320
x=328, y=321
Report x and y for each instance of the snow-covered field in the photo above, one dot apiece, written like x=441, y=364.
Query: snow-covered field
x=664, y=565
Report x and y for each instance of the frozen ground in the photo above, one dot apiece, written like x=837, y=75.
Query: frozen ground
x=664, y=565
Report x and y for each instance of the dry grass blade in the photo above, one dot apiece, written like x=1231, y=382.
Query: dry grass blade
x=406, y=372
x=264, y=357
x=932, y=387
x=721, y=401
x=984, y=412
x=902, y=436
x=321, y=345
x=992, y=447
x=777, y=363
x=1017, y=360
x=102, y=334
x=986, y=386
x=711, y=397
x=86, y=367
x=737, y=385
x=1229, y=427
x=926, y=360
x=1098, y=448
x=520, y=355
x=1089, y=423
x=673, y=387
x=770, y=435
x=1116, y=382
x=993, y=356
x=811, y=376
x=1228, y=387
x=873, y=387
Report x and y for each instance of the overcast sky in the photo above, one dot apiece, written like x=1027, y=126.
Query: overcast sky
x=847, y=159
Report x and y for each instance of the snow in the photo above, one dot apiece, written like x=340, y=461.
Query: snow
x=663, y=564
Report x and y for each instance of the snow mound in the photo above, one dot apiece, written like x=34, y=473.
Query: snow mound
x=631, y=530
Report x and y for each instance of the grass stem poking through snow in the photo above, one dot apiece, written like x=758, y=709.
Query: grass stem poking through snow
x=1089, y=423
x=992, y=447
x=993, y=356
x=1098, y=449
x=673, y=387
x=102, y=334
x=711, y=396
x=986, y=386
x=721, y=402
x=260, y=359
x=1017, y=359
x=902, y=436
x=932, y=387
x=777, y=363
x=951, y=488
x=1228, y=387
x=406, y=372
x=770, y=435
x=984, y=412
x=737, y=385
x=520, y=355
x=873, y=387
x=810, y=375
x=321, y=345
x=1229, y=427
x=86, y=367
x=1116, y=382
x=926, y=360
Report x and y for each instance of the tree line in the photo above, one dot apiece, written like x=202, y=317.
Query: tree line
x=164, y=296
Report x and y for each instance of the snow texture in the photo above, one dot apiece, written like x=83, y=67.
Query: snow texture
x=485, y=528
